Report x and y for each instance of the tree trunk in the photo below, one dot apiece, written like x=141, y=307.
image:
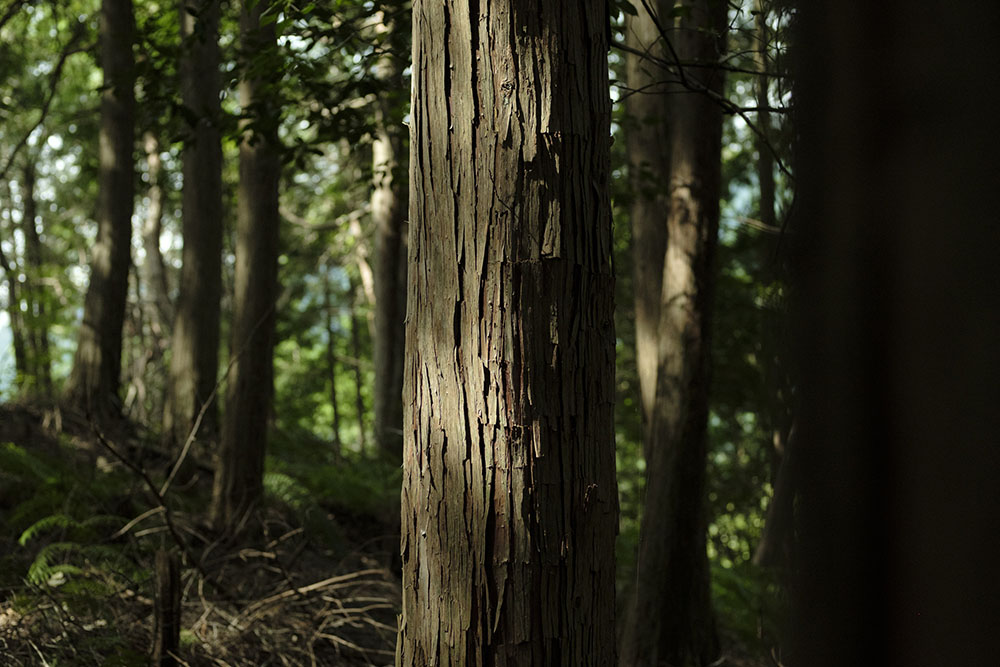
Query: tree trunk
x=195, y=347
x=670, y=620
x=509, y=496
x=154, y=272
x=16, y=320
x=36, y=320
x=94, y=381
x=359, y=380
x=647, y=136
x=331, y=363
x=239, y=475
x=898, y=332
x=765, y=158
x=389, y=219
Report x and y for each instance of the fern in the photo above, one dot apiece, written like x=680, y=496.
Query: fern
x=44, y=524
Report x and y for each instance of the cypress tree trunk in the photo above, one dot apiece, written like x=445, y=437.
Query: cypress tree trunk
x=509, y=496
x=239, y=477
x=94, y=381
x=670, y=620
x=389, y=218
x=195, y=345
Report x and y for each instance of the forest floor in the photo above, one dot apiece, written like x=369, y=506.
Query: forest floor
x=309, y=582
x=79, y=533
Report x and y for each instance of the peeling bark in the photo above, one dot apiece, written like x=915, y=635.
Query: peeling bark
x=509, y=496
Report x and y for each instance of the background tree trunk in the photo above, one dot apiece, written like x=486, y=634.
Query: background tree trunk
x=509, y=495
x=647, y=143
x=670, y=620
x=239, y=476
x=154, y=272
x=389, y=218
x=14, y=309
x=36, y=320
x=94, y=381
x=195, y=347
x=898, y=330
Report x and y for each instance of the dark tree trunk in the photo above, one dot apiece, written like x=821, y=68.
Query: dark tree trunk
x=195, y=347
x=898, y=331
x=94, y=381
x=389, y=219
x=331, y=363
x=239, y=476
x=670, y=619
x=509, y=496
x=359, y=380
x=36, y=319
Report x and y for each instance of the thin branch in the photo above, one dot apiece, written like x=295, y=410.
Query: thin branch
x=67, y=51
x=11, y=11
x=675, y=63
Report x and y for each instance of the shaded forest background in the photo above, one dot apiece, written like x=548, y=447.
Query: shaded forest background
x=93, y=489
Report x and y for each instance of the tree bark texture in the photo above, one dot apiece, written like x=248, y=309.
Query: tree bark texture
x=670, y=619
x=509, y=496
x=647, y=146
x=897, y=330
x=389, y=199
x=94, y=381
x=195, y=344
x=239, y=475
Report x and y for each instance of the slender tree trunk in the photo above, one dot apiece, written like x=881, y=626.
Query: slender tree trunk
x=331, y=362
x=509, y=496
x=195, y=347
x=389, y=218
x=94, y=381
x=359, y=380
x=647, y=136
x=16, y=322
x=900, y=317
x=239, y=476
x=36, y=320
x=670, y=620
x=154, y=272
x=765, y=158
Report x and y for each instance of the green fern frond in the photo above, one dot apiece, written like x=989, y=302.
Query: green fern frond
x=47, y=523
